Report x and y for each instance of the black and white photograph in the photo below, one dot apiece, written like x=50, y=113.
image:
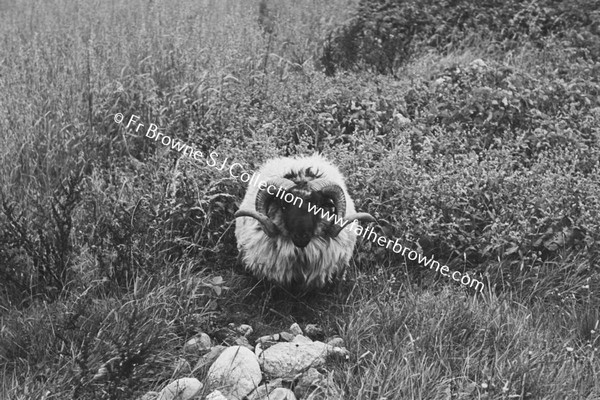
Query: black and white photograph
x=299, y=199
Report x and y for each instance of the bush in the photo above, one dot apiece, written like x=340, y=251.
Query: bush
x=385, y=34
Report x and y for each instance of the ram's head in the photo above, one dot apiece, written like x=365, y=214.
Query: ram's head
x=302, y=210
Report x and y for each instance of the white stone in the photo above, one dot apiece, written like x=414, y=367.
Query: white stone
x=312, y=330
x=336, y=342
x=339, y=352
x=263, y=391
x=301, y=339
x=199, y=344
x=245, y=330
x=286, y=360
x=281, y=394
x=149, y=396
x=181, y=389
x=295, y=329
x=309, y=380
x=243, y=341
x=268, y=338
x=182, y=367
x=235, y=373
x=258, y=349
x=206, y=360
x=323, y=388
x=216, y=395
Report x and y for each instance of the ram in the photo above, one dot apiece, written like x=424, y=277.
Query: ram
x=291, y=226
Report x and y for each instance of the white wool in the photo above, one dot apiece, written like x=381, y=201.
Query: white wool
x=277, y=258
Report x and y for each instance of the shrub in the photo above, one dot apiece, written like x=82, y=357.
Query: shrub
x=384, y=34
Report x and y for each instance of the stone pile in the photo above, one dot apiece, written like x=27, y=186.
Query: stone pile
x=282, y=366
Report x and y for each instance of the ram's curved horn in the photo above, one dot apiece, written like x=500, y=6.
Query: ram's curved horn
x=336, y=229
x=332, y=189
x=261, y=197
x=339, y=197
x=268, y=226
x=260, y=212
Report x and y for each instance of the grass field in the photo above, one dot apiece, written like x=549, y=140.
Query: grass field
x=481, y=150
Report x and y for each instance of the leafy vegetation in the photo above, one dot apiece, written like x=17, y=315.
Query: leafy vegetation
x=385, y=34
x=470, y=129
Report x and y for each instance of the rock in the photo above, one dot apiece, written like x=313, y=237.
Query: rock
x=206, y=360
x=258, y=349
x=236, y=372
x=245, y=330
x=301, y=339
x=264, y=390
x=310, y=376
x=264, y=342
x=295, y=329
x=325, y=389
x=182, y=367
x=243, y=341
x=339, y=352
x=285, y=360
x=241, y=329
x=216, y=395
x=181, y=389
x=286, y=336
x=478, y=63
x=322, y=393
x=313, y=385
x=336, y=342
x=309, y=381
x=199, y=344
x=268, y=338
x=313, y=331
x=281, y=394
x=200, y=319
x=149, y=396
x=226, y=334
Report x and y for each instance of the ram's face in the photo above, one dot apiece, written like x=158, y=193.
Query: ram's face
x=299, y=222
x=294, y=216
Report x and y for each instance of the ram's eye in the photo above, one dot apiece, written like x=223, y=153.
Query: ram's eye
x=329, y=205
